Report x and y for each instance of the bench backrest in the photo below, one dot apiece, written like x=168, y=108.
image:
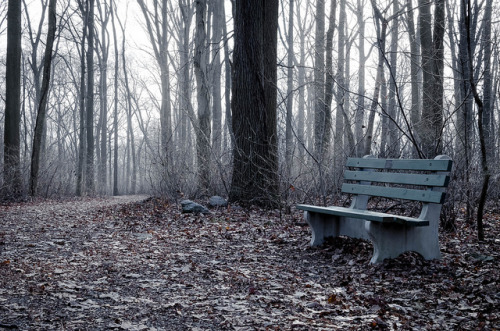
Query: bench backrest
x=426, y=178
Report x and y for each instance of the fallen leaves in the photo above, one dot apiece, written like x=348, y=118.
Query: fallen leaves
x=145, y=266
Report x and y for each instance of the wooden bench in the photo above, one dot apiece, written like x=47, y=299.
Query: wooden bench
x=424, y=181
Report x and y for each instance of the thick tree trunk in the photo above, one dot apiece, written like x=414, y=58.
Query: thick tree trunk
x=42, y=106
x=432, y=68
x=12, y=142
x=254, y=178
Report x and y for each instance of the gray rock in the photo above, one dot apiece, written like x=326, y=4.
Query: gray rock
x=217, y=201
x=189, y=206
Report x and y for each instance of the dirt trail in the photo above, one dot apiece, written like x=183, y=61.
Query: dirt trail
x=75, y=206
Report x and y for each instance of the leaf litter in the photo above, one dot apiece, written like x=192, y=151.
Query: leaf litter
x=137, y=263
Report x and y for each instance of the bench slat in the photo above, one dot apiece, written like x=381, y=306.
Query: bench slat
x=364, y=214
x=394, y=192
x=403, y=164
x=398, y=178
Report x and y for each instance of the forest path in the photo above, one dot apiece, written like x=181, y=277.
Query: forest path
x=42, y=209
x=133, y=263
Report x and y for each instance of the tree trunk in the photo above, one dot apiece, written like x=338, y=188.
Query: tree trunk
x=218, y=21
x=90, y=101
x=393, y=143
x=381, y=34
x=227, y=85
x=80, y=183
x=482, y=142
x=42, y=106
x=340, y=96
x=202, y=126
x=254, y=178
x=115, y=112
x=185, y=106
x=103, y=93
x=12, y=142
x=131, y=174
x=320, y=118
x=289, y=94
x=488, y=106
x=329, y=79
x=432, y=68
x=157, y=28
x=360, y=111
x=414, y=69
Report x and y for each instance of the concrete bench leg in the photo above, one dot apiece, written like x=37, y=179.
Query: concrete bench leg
x=327, y=226
x=322, y=227
x=390, y=240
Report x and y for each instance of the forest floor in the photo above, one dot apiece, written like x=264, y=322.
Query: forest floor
x=137, y=263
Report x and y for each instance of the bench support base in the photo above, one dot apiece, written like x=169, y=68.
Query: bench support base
x=391, y=240
x=326, y=226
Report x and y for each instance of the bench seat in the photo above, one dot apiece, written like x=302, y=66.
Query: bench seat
x=364, y=215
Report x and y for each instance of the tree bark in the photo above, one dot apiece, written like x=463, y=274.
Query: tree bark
x=90, y=101
x=321, y=130
x=393, y=143
x=414, y=69
x=104, y=15
x=202, y=125
x=254, y=179
x=115, y=111
x=80, y=183
x=12, y=142
x=42, y=106
x=218, y=21
x=340, y=96
x=432, y=68
x=289, y=87
x=360, y=111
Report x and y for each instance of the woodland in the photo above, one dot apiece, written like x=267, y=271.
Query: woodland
x=114, y=111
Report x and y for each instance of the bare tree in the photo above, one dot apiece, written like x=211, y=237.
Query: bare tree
x=414, y=69
x=115, y=101
x=202, y=126
x=42, y=106
x=102, y=55
x=321, y=119
x=157, y=28
x=11, y=175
